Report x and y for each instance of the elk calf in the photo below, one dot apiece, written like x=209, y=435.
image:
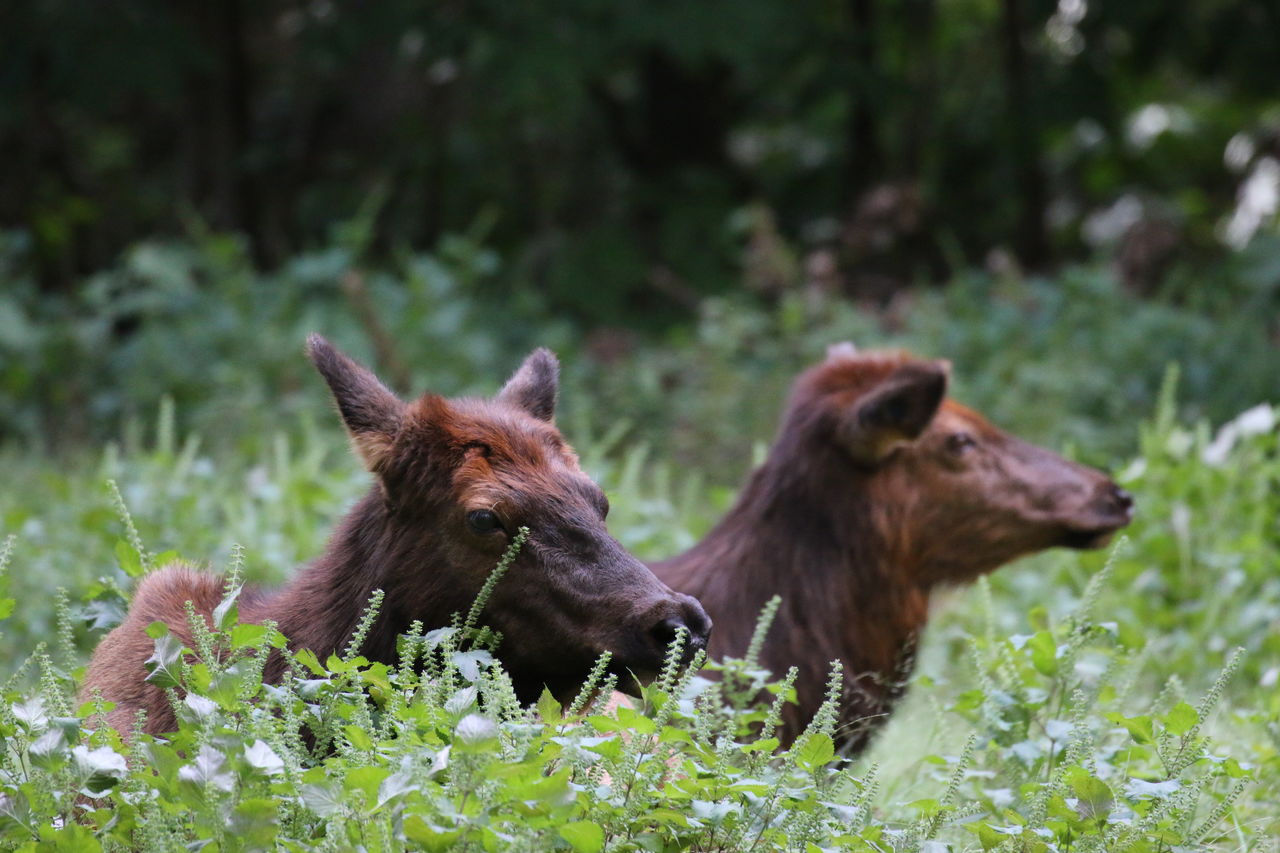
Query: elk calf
x=877, y=491
x=454, y=480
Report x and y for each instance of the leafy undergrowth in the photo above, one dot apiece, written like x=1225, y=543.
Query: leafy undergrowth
x=1076, y=358
x=1062, y=706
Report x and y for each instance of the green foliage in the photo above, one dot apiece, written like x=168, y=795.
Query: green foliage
x=193, y=321
x=1074, y=360
x=1062, y=705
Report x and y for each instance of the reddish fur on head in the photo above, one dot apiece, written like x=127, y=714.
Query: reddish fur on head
x=879, y=489
x=454, y=480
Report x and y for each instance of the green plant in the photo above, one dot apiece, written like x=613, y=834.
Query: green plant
x=1073, y=701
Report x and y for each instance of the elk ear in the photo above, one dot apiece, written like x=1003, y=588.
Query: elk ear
x=535, y=385
x=371, y=413
x=896, y=410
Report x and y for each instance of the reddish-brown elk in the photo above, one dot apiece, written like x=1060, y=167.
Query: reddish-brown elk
x=454, y=480
x=877, y=491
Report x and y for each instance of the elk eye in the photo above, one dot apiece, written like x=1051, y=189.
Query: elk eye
x=483, y=521
x=960, y=443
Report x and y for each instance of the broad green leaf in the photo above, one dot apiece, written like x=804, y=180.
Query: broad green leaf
x=209, y=769
x=815, y=751
x=31, y=713
x=163, y=669
x=1140, y=728
x=129, y=559
x=927, y=807
x=584, y=836
x=50, y=749
x=324, y=798
x=462, y=700
x=1044, y=653
x=1232, y=769
x=164, y=558
x=358, y=738
x=72, y=838
x=548, y=708
x=1142, y=790
x=247, y=636
x=469, y=663
x=260, y=756
x=431, y=838
x=98, y=770
x=602, y=723
x=226, y=613
x=1095, y=798
x=255, y=822
x=200, y=705
x=610, y=748
x=766, y=745
x=473, y=729
x=1181, y=719
x=103, y=614
x=667, y=816
x=671, y=734
x=367, y=780
x=635, y=721
x=969, y=700
x=308, y=658
x=394, y=786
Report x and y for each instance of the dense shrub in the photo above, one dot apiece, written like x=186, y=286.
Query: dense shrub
x=1076, y=359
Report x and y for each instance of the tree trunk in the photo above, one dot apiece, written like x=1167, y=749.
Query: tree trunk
x=865, y=159
x=1023, y=135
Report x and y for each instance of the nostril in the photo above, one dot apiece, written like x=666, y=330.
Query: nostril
x=1122, y=498
x=698, y=623
x=688, y=617
x=664, y=633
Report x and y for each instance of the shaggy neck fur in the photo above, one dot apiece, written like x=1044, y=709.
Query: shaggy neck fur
x=369, y=550
x=811, y=532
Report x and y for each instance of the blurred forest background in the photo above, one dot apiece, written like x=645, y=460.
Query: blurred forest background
x=687, y=199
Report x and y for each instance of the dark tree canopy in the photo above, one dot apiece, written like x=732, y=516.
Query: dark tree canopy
x=628, y=150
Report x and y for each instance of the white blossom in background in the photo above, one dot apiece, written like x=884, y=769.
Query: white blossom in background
x=1063, y=27
x=1262, y=418
x=1257, y=201
x=1239, y=151
x=1106, y=226
x=1146, y=125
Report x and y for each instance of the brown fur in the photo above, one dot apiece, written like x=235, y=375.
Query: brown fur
x=871, y=498
x=572, y=593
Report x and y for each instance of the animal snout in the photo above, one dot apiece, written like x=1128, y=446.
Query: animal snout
x=689, y=617
x=1118, y=501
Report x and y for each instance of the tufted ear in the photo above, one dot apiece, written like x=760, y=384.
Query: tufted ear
x=535, y=385
x=371, y=413
x=896, y=410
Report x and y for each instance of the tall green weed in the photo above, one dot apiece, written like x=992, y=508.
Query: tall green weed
x=1071, y=702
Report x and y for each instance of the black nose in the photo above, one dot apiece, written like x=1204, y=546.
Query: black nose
x=1122, y=500
x=690, y=618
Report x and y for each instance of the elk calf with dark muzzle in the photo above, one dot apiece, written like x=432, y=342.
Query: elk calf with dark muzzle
x=455, y=479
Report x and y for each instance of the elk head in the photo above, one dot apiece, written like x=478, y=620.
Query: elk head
x=950, y=495
x=457, y=479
